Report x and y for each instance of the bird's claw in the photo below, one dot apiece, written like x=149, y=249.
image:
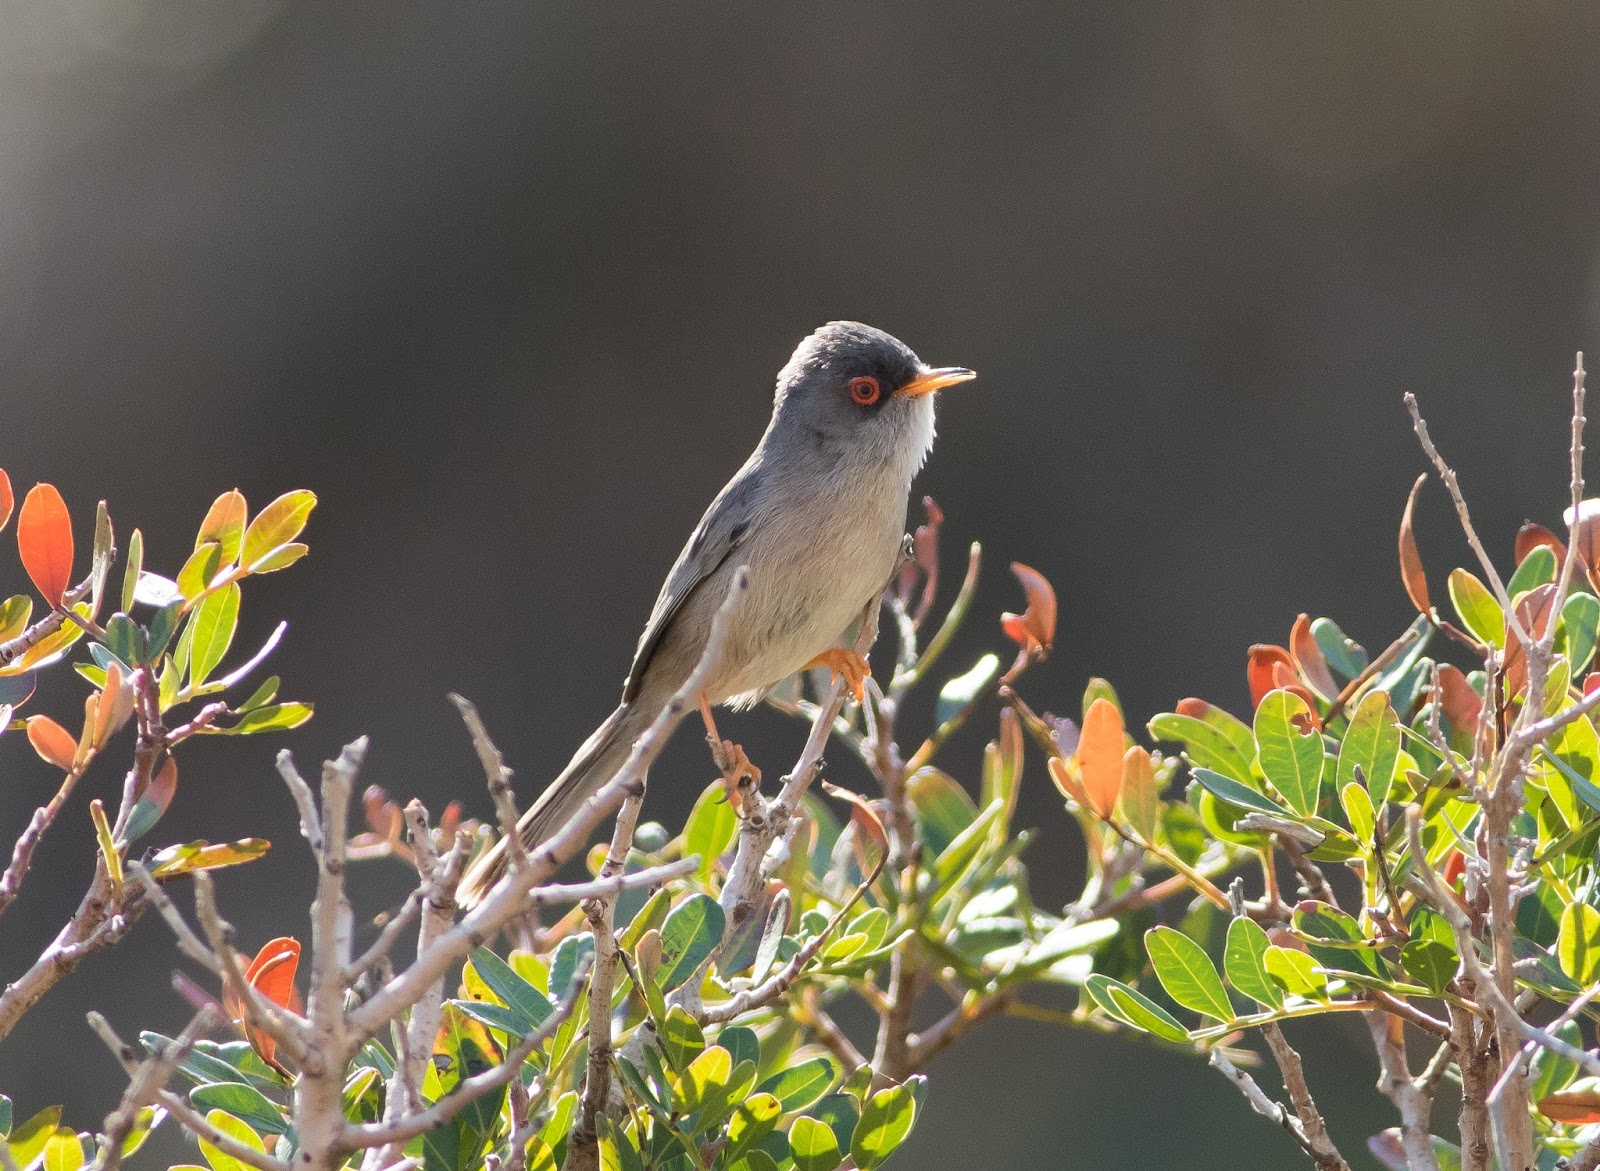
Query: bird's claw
x=847, y=665
x=739, y=774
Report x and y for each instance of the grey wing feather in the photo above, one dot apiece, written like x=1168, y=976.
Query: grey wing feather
x=721, y=530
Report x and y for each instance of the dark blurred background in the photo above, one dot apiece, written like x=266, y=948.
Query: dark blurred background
x=507, y=285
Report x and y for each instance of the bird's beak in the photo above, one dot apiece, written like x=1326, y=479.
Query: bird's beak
x=929, y=381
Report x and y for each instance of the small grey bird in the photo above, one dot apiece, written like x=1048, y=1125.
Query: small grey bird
x=817, y=513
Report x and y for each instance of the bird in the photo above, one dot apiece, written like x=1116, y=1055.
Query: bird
x=817, y=515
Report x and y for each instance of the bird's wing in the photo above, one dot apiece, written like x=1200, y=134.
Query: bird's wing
x=721, y=530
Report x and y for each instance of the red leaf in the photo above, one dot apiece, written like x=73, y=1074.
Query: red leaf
x=1590, y=682
x=54, y=744
x=44, y=538
x=1411, y=573
x=1262, y=671
x=1283, y=937
x=6, y=499
x=164, y=785
x=1530, y=536
x=1100, y=749
x=1036, y=626
x=1455, y=867
x=450, y=818
x=1461, y=705
x=1534, y=612
x=1308, y=658
x=272, y=974
x=1572, y=1107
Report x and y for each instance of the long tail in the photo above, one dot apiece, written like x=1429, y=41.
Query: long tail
x=595, y=763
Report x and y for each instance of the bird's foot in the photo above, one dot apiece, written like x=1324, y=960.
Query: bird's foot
x=848, y=665
x=740, y=776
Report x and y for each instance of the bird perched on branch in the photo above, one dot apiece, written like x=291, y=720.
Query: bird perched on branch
x=817, y=513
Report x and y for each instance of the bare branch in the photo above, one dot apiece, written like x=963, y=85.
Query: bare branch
x=147, y=1079
x=499, y=780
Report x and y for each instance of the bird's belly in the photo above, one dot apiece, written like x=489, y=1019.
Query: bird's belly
x=797, y=610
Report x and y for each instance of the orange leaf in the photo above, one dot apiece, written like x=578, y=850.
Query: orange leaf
x=1308, y=658
x=1533, y=610
x=1066, y=781
x=1035, y=626
x=1590, y=682
x=44, y=538
x=272, y=974
x=1262, y=671
x=1100, y=749
x=1572, y=1107
x=1455, y=867
x=164, y=785
x=54, y=744
x=106, y=708
x=1459, y=702
x=1530, y=536
x=1416, y=581
x=6, y=498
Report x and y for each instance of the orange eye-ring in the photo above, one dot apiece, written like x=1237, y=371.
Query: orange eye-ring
x=865, y=390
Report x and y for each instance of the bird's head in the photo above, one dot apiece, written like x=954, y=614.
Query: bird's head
x=851, y=382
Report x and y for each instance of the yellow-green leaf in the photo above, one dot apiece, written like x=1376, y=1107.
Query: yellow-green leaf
x=277, y=524
x=1578, y=945
x=1477, y=609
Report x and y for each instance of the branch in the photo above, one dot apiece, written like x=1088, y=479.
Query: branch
x=1267, y=1108
x=507, y=899
x=1318, y=1144
x=147, y=1079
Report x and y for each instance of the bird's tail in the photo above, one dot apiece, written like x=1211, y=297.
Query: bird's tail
x=599, y=759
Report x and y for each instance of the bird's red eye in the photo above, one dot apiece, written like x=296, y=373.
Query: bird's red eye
x=865, y=390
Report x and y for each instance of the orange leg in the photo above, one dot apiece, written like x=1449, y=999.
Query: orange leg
x=729, y=757
x=848, y=665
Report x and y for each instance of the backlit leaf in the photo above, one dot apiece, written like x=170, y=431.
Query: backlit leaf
x=1187, y=973
x=192, y=856
x=711, y=827
x=1572, y=1107
x=1244, y=959
x=224, y=525
x=6, y=498
x=1133, y=1008
x=1140, y=803
x=1100, y=750
x=1477, y=609
x=1211, y=738
x=134, y=567
x=54, y=744
x=1308, y=658
x=799, y=1085
x=1372, y=744
x=1411, y=571
x=1289, y=747
x=1578, y=945
x=886, y=1120
x=236, y=1129
x=213, y=622
x=277, y=524
x=813, y=1145
x=44, y=539
x=1036, y=626
x=690, y=932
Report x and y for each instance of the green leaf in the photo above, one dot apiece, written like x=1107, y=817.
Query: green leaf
x=28, y=1140
x=942, y=806
x=1358, y=808
x=1345, y=656
x=1133, y=1008
x=277, y=524
x=690, y=933
x=1431, y=963
x=1214, y=740
x=163, y=624
x=1575, y=637
x=199, y=570
x=705, y=1081
x=1578, y=945
x=100, y=558
x=1372, y=743
x=813, y=1145
x=5, y=1116
x=886, y=1120
x=959, y=692
x=1550, y=1071
x=681, y=1038
x=63, y=1151
x=800, y=1085
x=1244, y=959
x=135, y=566
x=1297, y=972
x=274, y=717
x=214, y=621
x=235, y=1129
x=280, y=558
x=530, y=1005
x=1187, y=973
x=711, y=827
x=244, y=1102
x=1337, y=940
x=963, y=851
x=1537, y=568
x=741, y=1043
x=1226, y=789
x=1289, y=747
x=1477, y=609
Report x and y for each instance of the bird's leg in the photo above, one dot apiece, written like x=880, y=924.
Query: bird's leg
x=847, y=664
x=738, y=773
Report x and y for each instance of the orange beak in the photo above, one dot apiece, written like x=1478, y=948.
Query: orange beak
x=929, y=381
